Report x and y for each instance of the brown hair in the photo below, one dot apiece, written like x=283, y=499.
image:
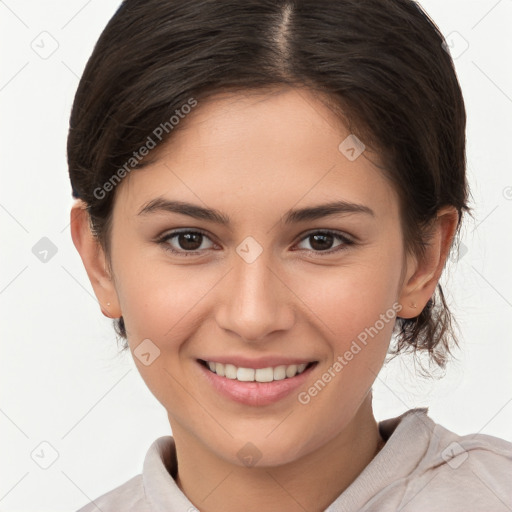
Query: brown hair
x=380, y=64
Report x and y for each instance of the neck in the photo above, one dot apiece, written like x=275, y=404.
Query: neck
x=311, y=483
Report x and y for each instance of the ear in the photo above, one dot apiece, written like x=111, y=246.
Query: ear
x=422, y=274
x=94, y=260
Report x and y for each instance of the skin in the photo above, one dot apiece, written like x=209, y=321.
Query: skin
x=254, y=157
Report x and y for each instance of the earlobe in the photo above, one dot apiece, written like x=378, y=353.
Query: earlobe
x=94, y=260
x=424, y=273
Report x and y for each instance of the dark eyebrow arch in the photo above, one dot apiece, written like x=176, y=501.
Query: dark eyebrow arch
x=161, y=204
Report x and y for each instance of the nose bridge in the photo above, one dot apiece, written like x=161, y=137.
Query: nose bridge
x=255, y=302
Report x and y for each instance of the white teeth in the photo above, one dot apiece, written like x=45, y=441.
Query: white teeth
x=220, y=369
x=259, y=375
x=264, y=375
x=291, y=371
x=280, y=372
x=230, y=371
x=245, y=374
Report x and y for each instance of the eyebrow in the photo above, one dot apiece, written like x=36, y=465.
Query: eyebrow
x=161, y=204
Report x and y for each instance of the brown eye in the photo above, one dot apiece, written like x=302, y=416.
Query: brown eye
x=186, y=243
x=322, y=241
x=189, y=241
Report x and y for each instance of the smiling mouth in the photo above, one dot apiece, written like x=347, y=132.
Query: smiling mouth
x=269, y=374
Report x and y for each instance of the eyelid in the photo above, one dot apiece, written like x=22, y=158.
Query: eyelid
x=326, y=231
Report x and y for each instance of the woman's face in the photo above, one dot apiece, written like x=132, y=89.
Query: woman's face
x=267, y=288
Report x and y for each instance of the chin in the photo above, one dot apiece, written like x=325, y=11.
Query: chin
x=263, y=450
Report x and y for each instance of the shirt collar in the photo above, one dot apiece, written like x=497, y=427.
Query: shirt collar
x=397, y=459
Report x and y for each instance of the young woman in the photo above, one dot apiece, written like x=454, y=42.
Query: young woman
x=267, y=193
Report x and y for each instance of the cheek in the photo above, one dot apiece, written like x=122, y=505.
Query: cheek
x=354, y=319
x=348, y=299
x=157, y=298
x=162, y=303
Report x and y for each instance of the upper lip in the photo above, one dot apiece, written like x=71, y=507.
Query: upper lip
x=259, y=362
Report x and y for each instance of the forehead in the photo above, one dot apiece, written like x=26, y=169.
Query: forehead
x=252, y=150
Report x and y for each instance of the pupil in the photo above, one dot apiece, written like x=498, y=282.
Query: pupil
x=189, y=242
x=316, y=238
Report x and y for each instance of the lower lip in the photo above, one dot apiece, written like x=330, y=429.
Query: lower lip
x=255, y=393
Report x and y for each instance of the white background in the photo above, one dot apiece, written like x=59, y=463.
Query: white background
x=61, y=378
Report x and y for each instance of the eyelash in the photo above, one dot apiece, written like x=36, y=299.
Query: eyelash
x=343, y=238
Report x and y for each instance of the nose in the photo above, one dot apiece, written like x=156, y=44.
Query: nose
x=256, y=301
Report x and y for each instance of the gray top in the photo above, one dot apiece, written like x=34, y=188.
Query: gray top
x=422, y=467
